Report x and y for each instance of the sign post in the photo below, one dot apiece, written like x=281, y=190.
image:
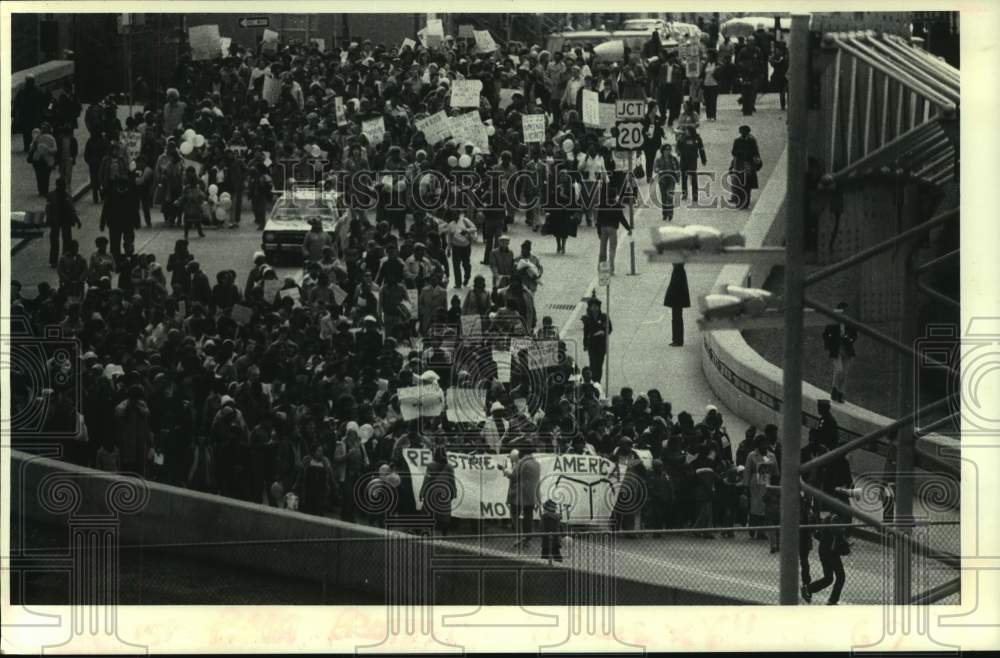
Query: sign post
x=604, y=279
x=629, y=137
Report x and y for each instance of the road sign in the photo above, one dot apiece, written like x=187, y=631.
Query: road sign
x=629, y=136
x=255, y=21
x=604, y=273
x=629, y=109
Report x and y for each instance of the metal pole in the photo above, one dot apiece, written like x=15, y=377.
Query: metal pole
x=791, y=424
x=906, y=444
x=631, y=217
x=607, y=345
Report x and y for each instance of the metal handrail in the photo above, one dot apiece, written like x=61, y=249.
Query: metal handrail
x=953, y=93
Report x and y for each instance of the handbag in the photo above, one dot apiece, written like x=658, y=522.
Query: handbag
x=639, y=172
x=757, y=163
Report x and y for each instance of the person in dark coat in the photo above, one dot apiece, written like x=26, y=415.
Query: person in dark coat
x=831, y=548
x=93, y=154
x=439, y=490
x=29, y=108
x=561, y=219
x=677, y=299
x=120, y=213
x=690, y=148
x=60, y=215
x=668, y=169
x=744, y=167
x=652, y=130
x=838, y=339
x=596, y=335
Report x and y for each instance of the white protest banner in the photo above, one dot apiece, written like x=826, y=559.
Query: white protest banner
x=466, y=405
x=435, y=128
x=484, y=41
x=133, y=143
x=271, y=288
x=502, y=359
x=465, y=93
x=607, y=113
x=585, y=487
x=291, y=293
x=338, y=104
x=226, y=43
x=408, y=43
x=205, y=42
x=507, y=97
x=272, y=88
x=320, y=43
x=472, y=325
x=242, y=314
x=375, y=129
x=591, y=109
x=466, y=32
x=533, y=126
x=415, y=401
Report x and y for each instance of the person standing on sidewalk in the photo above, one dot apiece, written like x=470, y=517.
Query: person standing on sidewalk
x=596, y=335
x=144, y=187
x=832, y=545
x=838, y=339
x=779, y=65
x=60, y=215
x=677, y=298
x=667, y=169
x=744, y=167
x=690, y=148
x=460, y=231
x=68, y=149
x=120, y=212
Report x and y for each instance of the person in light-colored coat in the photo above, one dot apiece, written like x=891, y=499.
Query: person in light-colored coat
x=524, y=479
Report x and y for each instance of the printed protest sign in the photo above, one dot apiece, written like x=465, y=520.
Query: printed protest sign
x=320, y=43
x=272, y=88
x=339, y=294
x=466, y=32
x=338, y=104
x=484, y=41
x=591, y=109
x=465, y=128
x=502, y=359
x=472, y=326
x=271, y=288
x=465, y=93
x=425, y=400
x=507, y=97
x=435, y=128
x=466, y=405
x=205, y=42
x=133, y=143
x=226, y=43
x=374, y=129
x=408, y=43
x=607, y=113
x=540, y=353
x=533, y=126
x=242, y=314
x=585, y=487
x=291, y=293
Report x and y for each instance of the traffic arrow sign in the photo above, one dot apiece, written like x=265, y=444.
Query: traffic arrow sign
x=255, y=21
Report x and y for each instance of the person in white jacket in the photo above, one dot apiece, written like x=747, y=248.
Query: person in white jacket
x=460, y=232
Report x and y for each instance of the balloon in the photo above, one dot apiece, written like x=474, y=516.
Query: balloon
x=199, y=141
x=188, y=135
x=314, y=151
x=490, y=130
x=568, y=146
x=226, y=203
x=186, y=148
x=225, y=197
x=465, y=162
x=213, y=189
x=221, y=214
x=453, y=161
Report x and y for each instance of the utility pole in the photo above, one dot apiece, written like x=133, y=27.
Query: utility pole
x=795, y=209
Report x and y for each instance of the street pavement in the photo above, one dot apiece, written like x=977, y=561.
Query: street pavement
x=640, y=355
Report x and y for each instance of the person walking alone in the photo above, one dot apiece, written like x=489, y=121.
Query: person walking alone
x=596, y=335
x=42, y=155
x=832, y=545
x=609, y=217
x=838, y=339
x=61, y=216
x=677, y=298
x=690, y=148
x=710, y=85
x=667, y=169
x=744, y=167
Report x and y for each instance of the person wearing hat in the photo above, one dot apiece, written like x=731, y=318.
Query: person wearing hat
x=838, y=340
x=496, y=427
x=596, y=336
x=743, y=170
x=501, y=260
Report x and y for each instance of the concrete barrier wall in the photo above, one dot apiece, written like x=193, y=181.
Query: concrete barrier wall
x=359, y=560
x=47, y=75
x=752, y=386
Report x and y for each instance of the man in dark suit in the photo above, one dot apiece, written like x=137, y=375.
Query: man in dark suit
x=838, y=339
